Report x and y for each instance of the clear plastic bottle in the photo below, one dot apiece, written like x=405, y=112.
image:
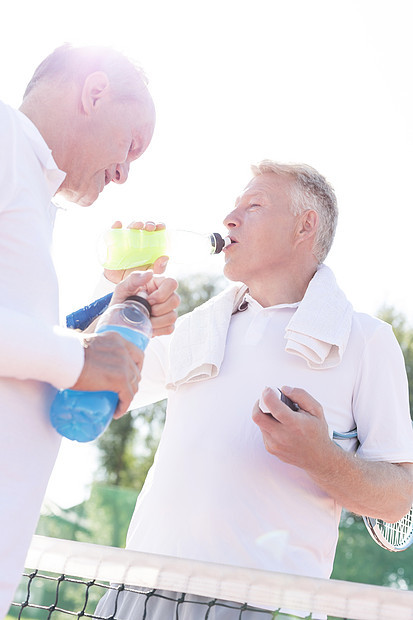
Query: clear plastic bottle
x=83, y=416
x=126, y=248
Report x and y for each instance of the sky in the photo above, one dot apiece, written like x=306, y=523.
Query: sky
x=325, y=82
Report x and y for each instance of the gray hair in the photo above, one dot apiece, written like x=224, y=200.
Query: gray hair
x=74, y=64
x=308, y=190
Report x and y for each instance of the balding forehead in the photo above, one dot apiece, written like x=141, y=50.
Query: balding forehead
x=248, y=192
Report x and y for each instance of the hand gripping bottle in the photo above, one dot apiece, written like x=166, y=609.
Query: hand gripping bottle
x=126, y=248
x=81, y=415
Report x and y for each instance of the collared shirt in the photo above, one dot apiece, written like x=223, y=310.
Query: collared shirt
x=228, y=500
x=36, y=353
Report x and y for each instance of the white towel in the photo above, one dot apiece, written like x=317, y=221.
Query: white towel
x=198, y=343
x=318, y=331
x=320, y=328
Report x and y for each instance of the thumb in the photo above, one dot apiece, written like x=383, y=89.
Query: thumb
x=135, y=281
x=304, y=400
x=269, y=400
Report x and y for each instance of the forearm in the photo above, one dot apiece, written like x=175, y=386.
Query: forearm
x=370, y=488
x=32, y=349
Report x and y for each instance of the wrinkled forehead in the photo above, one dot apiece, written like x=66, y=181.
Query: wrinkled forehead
x=263, y=187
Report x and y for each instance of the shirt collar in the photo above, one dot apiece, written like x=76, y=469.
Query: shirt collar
x=255, y=304
x=54, y=176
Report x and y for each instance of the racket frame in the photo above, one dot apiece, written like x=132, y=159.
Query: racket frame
x=384, y=533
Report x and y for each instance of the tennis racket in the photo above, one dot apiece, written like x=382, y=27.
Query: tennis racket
x=396, y=536
x=391, y=536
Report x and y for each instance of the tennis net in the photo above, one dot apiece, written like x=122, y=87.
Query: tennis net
x=66, y=579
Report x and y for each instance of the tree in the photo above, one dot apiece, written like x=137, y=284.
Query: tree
x=404, y=334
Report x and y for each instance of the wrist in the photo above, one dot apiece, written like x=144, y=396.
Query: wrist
x=330, y=464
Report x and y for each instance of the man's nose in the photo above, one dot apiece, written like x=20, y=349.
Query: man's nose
x=231, y=220
x=121, y=173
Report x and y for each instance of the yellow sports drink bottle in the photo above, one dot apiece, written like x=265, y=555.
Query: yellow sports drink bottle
x=127, y=248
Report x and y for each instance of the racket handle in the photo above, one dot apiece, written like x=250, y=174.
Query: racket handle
x=287, y=401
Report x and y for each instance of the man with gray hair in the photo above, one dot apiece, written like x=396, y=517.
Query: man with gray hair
x=85, y=117
x=240, y=478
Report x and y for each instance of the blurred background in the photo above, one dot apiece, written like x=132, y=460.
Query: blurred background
x=234, y=81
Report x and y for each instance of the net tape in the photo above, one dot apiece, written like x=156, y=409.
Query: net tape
x=97, y=565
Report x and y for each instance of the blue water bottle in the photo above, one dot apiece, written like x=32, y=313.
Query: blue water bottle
x=83, y=416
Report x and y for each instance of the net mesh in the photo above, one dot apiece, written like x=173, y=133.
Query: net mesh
x=68, y=579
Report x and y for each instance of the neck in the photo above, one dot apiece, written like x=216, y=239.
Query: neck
x=45, y=112
x=283, y=288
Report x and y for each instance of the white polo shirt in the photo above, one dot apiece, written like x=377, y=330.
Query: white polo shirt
x=215, y=494
x=36, y=354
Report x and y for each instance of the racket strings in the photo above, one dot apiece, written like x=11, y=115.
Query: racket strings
x=399, y=533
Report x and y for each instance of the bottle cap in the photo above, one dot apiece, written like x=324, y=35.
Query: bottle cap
x=141, y=298
x=218, y=243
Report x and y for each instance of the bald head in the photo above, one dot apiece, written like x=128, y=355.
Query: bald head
x=94, y=110
x=74, y=64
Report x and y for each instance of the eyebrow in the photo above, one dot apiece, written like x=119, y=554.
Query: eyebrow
x=251, y=194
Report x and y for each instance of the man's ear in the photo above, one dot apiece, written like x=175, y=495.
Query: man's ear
x=307, y=225
x=95, y=86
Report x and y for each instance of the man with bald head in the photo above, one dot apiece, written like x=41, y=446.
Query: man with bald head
x=85, y=117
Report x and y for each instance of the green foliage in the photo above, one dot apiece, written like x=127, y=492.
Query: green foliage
x=49, y=593
x=108, y=511
x=70, y=523
x=197, y=290
x=116, y=450
x=404, y=335
x=103, y=518
x=360, y=559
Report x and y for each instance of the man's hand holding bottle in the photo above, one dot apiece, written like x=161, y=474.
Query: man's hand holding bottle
x=111, y=362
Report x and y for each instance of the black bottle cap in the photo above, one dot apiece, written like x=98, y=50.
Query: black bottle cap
x=142, y=300
x=217, y=242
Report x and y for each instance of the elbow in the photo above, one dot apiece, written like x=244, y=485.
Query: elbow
x=403, y=510
x=402, y=505
x=392, y=514
x=397, y=515
x=403, y=500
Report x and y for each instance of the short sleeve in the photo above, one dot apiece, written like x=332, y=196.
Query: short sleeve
x=381, y=401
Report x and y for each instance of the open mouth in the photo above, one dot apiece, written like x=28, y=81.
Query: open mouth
x=229, y=242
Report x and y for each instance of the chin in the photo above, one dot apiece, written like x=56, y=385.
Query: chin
x=85, y=201
x=88, y=198
x=231, y=274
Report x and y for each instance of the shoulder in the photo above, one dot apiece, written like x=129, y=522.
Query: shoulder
x=8, y=128
x=15, y=128
x=373, y=339
x=366, y=326
x=8, y=119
